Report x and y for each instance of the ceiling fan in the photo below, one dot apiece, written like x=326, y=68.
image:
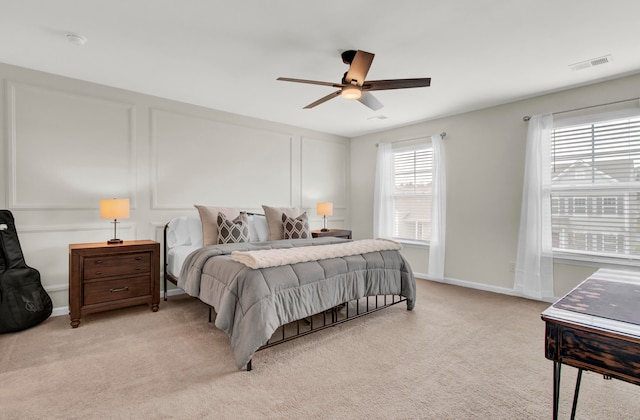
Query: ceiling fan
x=354, y=85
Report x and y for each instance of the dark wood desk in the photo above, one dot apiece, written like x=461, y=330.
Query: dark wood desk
x=596, y=327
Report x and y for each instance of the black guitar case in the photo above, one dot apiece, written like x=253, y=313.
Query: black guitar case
x=23, y=301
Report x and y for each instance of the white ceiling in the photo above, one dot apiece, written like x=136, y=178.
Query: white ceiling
x=227, y=55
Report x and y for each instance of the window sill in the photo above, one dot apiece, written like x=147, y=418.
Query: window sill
x=595, y=261
x=413, y=244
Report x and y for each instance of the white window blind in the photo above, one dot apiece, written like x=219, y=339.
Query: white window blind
x=595, y=189
x=412, y=194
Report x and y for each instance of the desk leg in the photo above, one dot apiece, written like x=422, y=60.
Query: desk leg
x=575, y=394
x=556, y=388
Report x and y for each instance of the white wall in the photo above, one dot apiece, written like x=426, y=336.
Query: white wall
x=66, y=144
x=485, y=165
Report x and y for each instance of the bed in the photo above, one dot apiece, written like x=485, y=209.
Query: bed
x=270, y=289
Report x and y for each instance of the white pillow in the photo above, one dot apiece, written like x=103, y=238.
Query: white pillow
x=258, y=229
x=178, y=232
x=194, y=226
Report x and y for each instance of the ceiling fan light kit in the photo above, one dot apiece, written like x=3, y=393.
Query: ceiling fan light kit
x=351, y=92
x=354, y=85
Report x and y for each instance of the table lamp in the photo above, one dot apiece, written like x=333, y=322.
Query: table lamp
x=324, y=210
x=114, y=209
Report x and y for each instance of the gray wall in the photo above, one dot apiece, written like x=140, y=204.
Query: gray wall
x=485, y=165
x=66, y=144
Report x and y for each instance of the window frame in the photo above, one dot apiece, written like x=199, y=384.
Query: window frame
x=416, y=145
x=595, y=206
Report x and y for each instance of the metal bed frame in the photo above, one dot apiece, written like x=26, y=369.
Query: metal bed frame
x=329, y=318
x=167, y=276
x=311, y=324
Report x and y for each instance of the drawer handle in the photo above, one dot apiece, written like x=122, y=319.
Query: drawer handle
x=98, y=262
x=98, y=273
x=122, y=289
x=138, y=258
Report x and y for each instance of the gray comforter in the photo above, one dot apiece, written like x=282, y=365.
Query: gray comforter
x=252, y=303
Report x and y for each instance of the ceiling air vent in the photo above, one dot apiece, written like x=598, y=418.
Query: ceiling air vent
x=590, y=63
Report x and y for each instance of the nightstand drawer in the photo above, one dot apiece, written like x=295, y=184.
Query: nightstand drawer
x=117, y=265
x=117, y=289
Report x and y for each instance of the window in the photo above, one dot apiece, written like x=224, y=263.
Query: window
x=595, y=189
x=412, y=192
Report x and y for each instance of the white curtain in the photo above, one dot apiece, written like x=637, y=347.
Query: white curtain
x=534, y=264
x=383, y=193
x=438, y=212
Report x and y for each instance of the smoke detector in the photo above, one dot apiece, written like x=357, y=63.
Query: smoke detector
x=76, y=39
x=592, y=62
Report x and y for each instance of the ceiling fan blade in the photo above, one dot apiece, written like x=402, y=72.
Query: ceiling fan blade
x=371, y=101
x=311, y=82
x=323, y=99
x=359, y=68
x=396, y=84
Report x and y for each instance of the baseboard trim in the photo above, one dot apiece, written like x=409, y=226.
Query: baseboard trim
x=480, y=286
x=64, y=310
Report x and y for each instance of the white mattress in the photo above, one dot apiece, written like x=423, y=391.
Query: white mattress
x=176, y=257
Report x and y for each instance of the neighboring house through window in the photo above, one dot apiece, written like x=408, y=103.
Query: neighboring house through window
x=404, y=190
x=595, y=189
x=412, y=192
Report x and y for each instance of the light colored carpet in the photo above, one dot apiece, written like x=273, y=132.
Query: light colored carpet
x=461, y=354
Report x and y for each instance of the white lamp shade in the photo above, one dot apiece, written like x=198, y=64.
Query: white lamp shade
x=114, y=208
x=324, y=209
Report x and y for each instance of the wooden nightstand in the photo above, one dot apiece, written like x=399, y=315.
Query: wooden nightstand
x=104, y=277
x=338, y=233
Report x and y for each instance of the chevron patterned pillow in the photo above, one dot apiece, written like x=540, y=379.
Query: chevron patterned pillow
x=233, y=231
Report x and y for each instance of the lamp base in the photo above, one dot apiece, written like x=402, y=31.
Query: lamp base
x=114, y=241
x=324, y=230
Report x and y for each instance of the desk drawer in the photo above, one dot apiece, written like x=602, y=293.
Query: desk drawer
x=600, y=353
x=117, y=289
x=117, y=265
